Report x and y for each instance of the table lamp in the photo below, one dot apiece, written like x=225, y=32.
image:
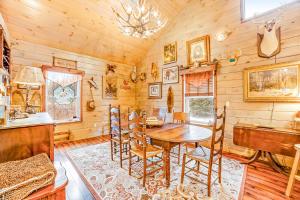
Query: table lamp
x=29, y=76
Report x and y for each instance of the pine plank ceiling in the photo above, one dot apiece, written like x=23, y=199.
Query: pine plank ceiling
x=81, y=26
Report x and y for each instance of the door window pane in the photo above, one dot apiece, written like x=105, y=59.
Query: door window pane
x=63, y=98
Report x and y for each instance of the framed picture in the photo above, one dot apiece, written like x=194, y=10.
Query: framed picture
x=170, y=53
x=155, y=90
x=170, y=75
x=198, y=50
x=61, y=62
x=24, y=87
x=272, y=83
x=109, y=87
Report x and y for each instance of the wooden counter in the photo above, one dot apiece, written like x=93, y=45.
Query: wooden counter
x=23, y=138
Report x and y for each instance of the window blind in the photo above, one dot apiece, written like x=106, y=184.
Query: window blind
x=199, y=84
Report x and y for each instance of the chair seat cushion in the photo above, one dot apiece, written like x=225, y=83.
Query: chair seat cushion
x=201, y=154
x=150, y=151
x=124, y=138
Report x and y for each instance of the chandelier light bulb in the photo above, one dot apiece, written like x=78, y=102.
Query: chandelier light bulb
x=138, y=19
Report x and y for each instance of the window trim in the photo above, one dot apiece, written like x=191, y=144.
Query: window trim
x=242, y=11
x=46, y=68
x=213, y=68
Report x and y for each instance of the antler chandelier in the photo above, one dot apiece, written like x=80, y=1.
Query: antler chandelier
x=137, y=20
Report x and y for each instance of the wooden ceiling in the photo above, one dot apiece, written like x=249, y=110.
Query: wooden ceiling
x=81, y=26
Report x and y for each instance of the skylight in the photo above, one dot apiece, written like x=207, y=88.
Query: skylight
x=253, y=8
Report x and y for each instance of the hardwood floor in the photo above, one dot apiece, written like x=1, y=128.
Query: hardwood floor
x=76, y=188
x=261, y=182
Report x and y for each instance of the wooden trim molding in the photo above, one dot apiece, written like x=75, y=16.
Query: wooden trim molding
x=62, y=69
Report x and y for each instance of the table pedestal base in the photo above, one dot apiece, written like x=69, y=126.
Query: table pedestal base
x=272, y=162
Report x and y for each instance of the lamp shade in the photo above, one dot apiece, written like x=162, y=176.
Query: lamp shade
x=29, y=76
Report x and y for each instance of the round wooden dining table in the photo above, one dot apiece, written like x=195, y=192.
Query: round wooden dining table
x=171, y=135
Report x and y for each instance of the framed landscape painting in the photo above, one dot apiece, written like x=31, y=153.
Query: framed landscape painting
x=198, y=50
x=273, y=83
x=155, y=90
x=170, y=75
x=170, y=53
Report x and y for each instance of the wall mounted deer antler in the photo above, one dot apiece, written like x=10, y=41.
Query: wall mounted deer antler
x=268, y=42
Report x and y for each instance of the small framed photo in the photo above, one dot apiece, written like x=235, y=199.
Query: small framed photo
x=170, y=75
x=170, y=53
x=155, y=90
x=198, y=50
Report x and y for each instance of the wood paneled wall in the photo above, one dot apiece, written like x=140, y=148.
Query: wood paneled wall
x=96, y=122
x=208, y=17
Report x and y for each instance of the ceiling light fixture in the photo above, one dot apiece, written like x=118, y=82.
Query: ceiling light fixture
x=138, y=20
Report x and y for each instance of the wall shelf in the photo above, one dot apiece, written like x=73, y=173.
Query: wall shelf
x=192, y=70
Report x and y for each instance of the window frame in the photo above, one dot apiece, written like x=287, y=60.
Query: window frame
x=242, y=11
x=46, y=68
x=186, y=109
x=214, y=76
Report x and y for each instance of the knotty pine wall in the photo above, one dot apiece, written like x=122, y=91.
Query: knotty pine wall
x=208, y=17
x=95, y=122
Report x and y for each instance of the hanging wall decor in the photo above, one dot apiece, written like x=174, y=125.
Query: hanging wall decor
x=91, y=105
x=170, y=99
x=154, y=71
x=61, y=62
x=268, y=43
x=170, y=53
x=143, y=77
x=198, y=49
x=133, y=75
x=110, y=83
x=273, y=83
x=125, y=85
x=155, y=90
x=170, y=75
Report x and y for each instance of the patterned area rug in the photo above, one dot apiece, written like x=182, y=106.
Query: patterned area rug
x=107, y=180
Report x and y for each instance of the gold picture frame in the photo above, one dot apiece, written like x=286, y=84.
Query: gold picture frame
x=155, y=90
x=272, y=83
x=170, y=53
x=198, y=49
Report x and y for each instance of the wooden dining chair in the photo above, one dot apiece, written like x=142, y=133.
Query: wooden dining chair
x=207, y=157
x=139, y=147
x=294, y=171
x=180, y=118
x=133, y=120
x=118, y=140
x=160, y=113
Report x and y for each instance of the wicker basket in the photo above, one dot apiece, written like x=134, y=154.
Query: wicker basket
x=20, y=178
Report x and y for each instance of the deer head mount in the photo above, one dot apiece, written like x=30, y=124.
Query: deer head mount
x=268, y=43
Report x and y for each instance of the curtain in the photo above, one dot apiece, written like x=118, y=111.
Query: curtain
x=63, y=79
x=199, y=84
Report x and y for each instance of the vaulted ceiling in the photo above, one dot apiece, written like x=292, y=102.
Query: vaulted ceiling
x=81, y=26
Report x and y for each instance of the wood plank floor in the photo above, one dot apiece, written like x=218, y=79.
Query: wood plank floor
x=261, y=182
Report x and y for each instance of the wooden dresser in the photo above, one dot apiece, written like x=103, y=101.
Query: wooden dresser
x=23, y=138
x=266, y=142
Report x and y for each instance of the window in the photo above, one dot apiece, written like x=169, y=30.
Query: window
x=253, y=8
x=199, y=97
x=63, y=94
